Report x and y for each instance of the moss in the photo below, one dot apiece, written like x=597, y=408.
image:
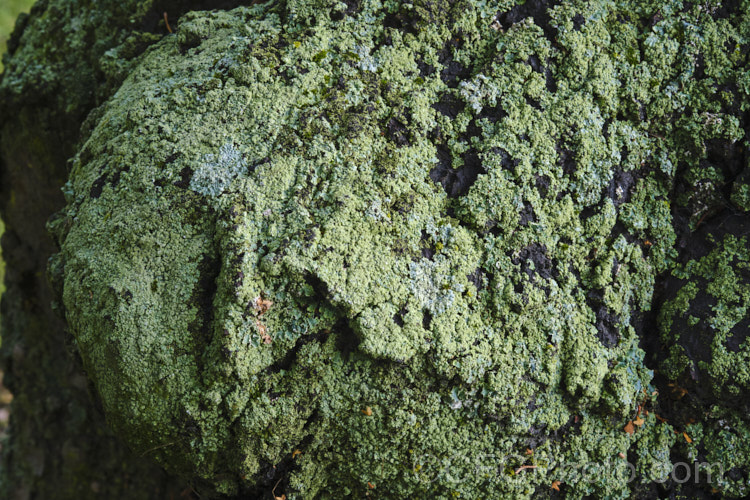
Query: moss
x=458, y=227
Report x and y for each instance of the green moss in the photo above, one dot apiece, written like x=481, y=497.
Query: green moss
x=271, y=153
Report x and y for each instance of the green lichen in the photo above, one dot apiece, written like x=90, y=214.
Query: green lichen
x=422, y=328
x=717, y=316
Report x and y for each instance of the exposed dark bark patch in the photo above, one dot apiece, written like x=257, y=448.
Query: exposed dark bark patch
x=492, y=113
x=398, y=133
x=567, y=160
x=506, y=161
x=536, y=9
x=272, y=481
x=739, y=335
x=578, y=21
x=536, y=253
x=606, y=327
x=398, y=318
x=456, y=182
x=727, y=156
x=449, y=105
x=428, y=251
x=425, y=69
x=542, y=183
x=477, y=278
x=527, y=214
x=286, y=362
x=203, y=298
x=347, y=340
x=696, y=339
x=620, y=229
x=427, y=320
x=97, y=187
x=319, y=286
x=727, y=9
x=549, y=78
x=619, y=188
x=453, y=71
x=402, y=20
x=535, y=63
x=185, y=175
x=111, y=178
x=153, y=21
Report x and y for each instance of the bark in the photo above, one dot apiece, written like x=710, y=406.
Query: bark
x=59, y=445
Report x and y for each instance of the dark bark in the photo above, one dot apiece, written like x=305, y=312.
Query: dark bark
x=59, y=445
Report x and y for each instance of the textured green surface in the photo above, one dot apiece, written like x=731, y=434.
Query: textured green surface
x=417, y=342
x=705, y=320
x=271, y=153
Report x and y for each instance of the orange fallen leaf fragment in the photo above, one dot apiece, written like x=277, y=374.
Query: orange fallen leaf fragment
x=677, y=390
x=367, y=411
x=687, y=438
x=261, y=305
x=370, y=485
x=621, y=455
x=629, y=428
x=263, y=332
x=295, y=453
x=555, y=485
x=639, y=421
x=529, y=451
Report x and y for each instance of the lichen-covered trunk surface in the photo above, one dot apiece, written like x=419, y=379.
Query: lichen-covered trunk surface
x=324, y=250
x=59, y=445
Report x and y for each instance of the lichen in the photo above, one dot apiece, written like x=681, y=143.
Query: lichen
x=458, y=221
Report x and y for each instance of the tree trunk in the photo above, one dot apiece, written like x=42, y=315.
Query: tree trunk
x=59, y=445
x=672, y=203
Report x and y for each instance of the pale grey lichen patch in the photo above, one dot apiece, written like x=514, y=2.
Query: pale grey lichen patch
x=366, y=61
x=479, y=92
x=217, y=171
x=431, y=286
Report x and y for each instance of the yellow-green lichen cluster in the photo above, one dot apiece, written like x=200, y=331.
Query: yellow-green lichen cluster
x=396, y=247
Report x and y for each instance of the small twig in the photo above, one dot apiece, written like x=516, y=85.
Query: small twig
x=273, y=491
x=523, y=467
x=166, y=21
x=157, y=447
